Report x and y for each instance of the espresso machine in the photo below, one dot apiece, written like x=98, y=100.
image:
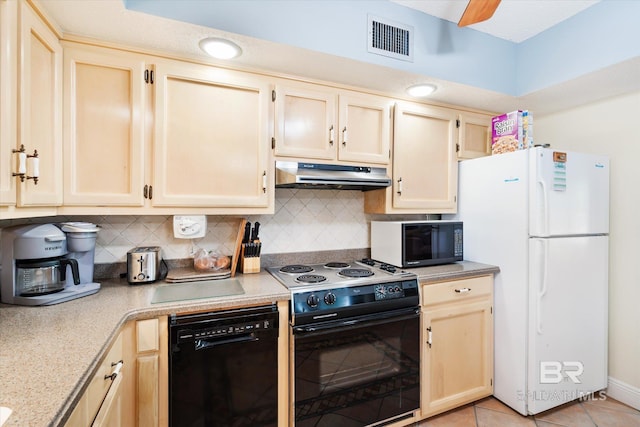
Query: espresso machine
x=37, y=268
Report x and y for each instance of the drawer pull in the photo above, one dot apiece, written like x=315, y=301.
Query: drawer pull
x=463, y=290
x=116, y=371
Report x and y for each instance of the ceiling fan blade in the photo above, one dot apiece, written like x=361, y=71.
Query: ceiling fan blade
x=478, y=11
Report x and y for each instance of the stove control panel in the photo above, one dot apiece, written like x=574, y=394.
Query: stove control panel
x=349, y=297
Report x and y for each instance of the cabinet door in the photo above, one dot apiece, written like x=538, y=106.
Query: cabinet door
x=104, y=132
x=457, y=356
x=364, y=128
x=8, y=100
x=474, y=135
x=40, y=108
x=424, y=161
x=306, y=125
x=211, y=137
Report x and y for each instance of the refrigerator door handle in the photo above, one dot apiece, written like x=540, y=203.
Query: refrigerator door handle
x=543, y=288
x=544, y=204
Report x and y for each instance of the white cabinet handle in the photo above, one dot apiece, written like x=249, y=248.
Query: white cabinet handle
x=399, y=186
x=22, y=163
x=116, y=371
x=35, y=162
x=23, y=157
x=344, y=137
x=331, y=135
x=429, y=336
x=463, y=290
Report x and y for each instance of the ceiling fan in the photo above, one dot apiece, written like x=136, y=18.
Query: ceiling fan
x=478, y=11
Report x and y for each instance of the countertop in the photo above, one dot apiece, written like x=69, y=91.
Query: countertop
x=48, y=353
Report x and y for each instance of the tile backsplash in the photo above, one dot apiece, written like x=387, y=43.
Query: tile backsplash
x=303, y=221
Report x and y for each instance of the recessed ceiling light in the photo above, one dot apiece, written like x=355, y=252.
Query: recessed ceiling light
x=421, y=90
x=220, y=48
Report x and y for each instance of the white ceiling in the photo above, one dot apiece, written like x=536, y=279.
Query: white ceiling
x=514, y=20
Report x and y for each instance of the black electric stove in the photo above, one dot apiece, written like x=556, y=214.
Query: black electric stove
x=338, y=290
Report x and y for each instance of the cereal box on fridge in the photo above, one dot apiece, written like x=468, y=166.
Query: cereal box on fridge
x=511, y=131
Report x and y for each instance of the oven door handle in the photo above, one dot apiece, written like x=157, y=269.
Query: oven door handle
x=203, y=344
x=369, y=320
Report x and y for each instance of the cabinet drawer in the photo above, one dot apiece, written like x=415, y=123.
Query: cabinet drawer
x=456, y=290
x=99, y=386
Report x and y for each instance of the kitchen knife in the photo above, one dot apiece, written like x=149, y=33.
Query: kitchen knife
x=247, y=229
x=256, y=230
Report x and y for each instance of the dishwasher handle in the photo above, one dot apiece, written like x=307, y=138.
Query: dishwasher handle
x=204, y=343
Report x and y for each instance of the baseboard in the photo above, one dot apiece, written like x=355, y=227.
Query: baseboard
x=623, y=392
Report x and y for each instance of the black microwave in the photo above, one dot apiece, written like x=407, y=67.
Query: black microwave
x=416, y=243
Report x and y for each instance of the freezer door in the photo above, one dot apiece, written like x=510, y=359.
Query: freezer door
x=569, y=193
x=568, y=288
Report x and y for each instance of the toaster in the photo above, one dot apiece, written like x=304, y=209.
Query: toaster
x=143, y=264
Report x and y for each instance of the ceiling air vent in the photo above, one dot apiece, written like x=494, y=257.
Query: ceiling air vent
x=390, y=39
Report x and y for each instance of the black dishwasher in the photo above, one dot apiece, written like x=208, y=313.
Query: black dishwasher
x=223, y=368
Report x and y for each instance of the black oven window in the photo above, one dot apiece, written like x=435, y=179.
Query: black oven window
x=358, y=376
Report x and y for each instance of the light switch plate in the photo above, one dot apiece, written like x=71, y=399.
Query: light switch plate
x=189, y=226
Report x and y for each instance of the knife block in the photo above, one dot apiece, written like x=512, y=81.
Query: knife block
x=249, y=264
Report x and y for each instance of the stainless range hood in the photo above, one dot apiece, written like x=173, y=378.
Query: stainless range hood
x=321, y=176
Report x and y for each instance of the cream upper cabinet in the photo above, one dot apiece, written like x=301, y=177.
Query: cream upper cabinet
x=40, y=110
x=305, y=122
x=31, y=113
x=364, y=128
x=457, y=343
x=425, y=168
x=474, y=138
x=317, y=123
x=8, y=101
x=211, y=137
x=104, y=138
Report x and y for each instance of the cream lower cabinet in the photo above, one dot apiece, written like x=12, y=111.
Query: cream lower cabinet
x=314, y=122
x=425, y=169
x=457, y=343
x=138, y=394
x=108, y=400
x=152, y=372
x=474, y=139
x=31, y=111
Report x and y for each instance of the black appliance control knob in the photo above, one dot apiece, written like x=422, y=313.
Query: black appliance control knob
x=312, y=300
x=329, y=298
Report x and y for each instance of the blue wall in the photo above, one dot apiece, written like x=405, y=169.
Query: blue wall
x=602, y=35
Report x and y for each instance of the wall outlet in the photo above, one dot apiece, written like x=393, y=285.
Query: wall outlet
x=189, y=226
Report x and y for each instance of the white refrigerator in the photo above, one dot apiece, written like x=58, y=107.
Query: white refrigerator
x=542, y=216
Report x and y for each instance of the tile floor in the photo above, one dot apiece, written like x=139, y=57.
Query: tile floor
x=490, y=412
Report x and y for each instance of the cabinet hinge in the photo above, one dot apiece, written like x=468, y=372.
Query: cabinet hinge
x=273, y=96
x=491, y=381
x=457, y=123
x=389, y=153
x=457, y=148
x=273, y=142
x=491, y=309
